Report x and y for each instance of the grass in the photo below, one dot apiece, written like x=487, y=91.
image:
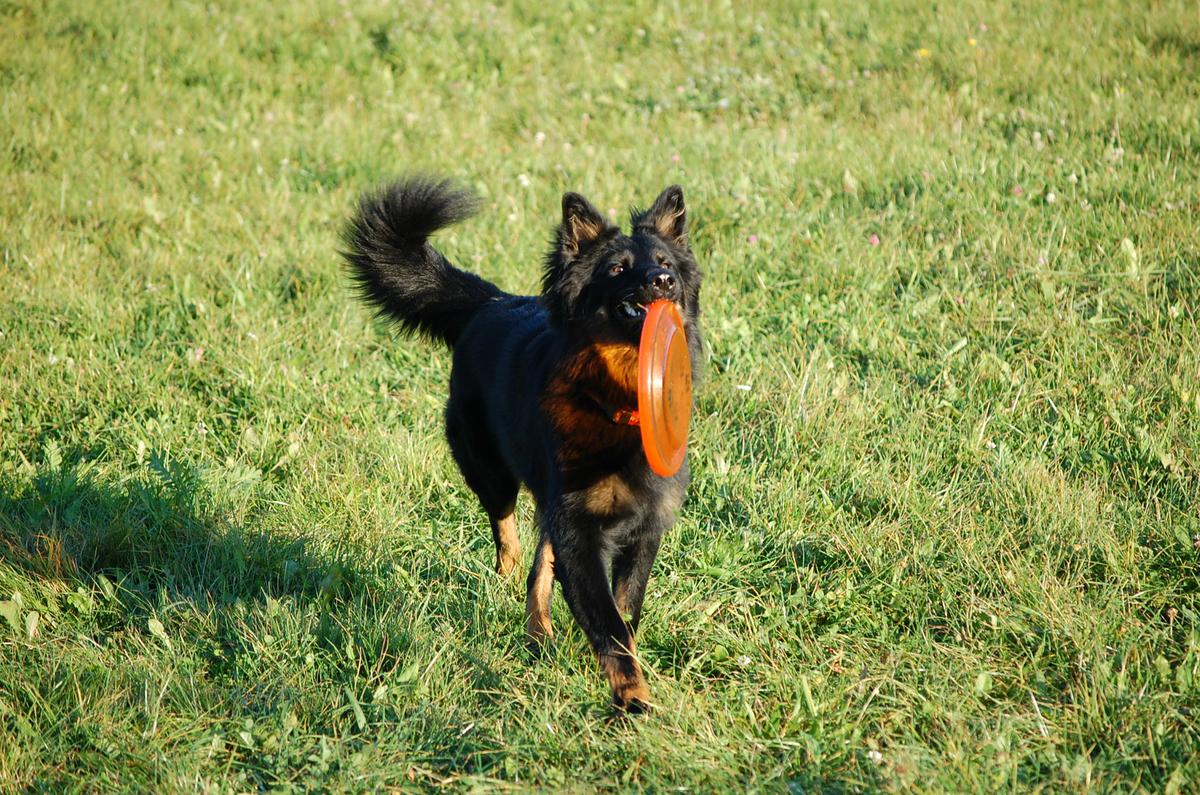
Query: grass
x=944, y=526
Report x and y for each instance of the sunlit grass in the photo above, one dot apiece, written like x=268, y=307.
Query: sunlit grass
x=944, y=526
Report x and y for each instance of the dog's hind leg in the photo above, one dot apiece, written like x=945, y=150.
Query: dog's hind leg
x=492, y=483
x=508, y=546
x=538, y=590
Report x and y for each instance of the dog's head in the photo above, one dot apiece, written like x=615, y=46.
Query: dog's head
x=599, y=281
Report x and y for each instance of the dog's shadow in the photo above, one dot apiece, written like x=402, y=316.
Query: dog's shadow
x=153, y=534
x=160, y=539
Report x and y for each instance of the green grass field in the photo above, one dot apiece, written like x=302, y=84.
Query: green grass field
x=943, y=533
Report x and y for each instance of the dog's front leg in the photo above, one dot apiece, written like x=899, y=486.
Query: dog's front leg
x=631, y=572
x=580, y=565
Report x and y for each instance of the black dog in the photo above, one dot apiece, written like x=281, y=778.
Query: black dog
x=541, y=389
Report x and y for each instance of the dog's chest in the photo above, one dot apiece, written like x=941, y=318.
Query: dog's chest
x=576, y=400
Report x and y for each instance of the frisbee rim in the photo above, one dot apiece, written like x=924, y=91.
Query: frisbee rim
x=662, y=325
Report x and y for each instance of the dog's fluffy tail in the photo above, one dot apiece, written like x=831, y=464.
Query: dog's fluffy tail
x=403, y=276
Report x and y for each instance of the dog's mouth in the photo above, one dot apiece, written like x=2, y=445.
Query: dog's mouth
x=631, y=310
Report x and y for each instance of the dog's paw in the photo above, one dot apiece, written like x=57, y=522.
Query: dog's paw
x=507, y=564
x=633, y=700
x=630, y=695
x=538, y=633
x=537, y=644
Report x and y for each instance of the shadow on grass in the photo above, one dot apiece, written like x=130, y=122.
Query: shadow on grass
x=164, y=542
x=163, y=538
x=157, y=532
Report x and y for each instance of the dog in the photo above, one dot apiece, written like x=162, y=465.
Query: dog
x=543, y=392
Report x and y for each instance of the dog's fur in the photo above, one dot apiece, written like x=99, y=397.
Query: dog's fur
x=533, y=389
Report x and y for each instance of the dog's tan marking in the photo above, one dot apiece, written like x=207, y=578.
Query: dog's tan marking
x=537, y=598
x=508, y=546
x=606, y=373
x=609, y=496
x=621, y=597
x=582, y=230
x=668, y=224
x=629, y=689
x=620, y=361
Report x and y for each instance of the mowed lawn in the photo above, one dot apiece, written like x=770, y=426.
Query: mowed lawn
x=944, y=529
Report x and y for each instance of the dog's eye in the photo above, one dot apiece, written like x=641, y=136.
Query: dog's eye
x=616, y=269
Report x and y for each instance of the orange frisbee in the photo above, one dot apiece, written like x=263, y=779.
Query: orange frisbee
x=664, y=388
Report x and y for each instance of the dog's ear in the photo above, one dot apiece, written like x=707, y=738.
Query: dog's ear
x=581, y=224
x=667, y=217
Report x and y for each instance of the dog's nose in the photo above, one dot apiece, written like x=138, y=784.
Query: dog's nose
x=663, y=282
